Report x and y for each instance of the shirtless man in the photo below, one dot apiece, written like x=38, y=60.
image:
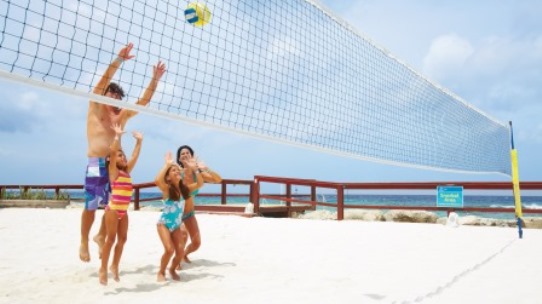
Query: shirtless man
x=100, y=135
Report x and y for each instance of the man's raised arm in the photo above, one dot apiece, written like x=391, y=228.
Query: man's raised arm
x=124, y=54
x=157, y=72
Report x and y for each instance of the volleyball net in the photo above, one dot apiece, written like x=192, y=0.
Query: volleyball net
x=284, y=70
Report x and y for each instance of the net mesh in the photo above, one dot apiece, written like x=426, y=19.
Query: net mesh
x=286, y=70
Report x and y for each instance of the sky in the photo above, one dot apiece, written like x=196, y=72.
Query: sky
x=488, y=53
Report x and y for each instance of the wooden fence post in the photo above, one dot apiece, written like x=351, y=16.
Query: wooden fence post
x=136, y=198
x=223, y=193
x=340, y=202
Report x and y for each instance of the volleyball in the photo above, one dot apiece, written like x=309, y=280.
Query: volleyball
x=197, y=13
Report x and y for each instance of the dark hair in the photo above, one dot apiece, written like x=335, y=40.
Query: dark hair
x=179, y=153
x=115, y=89
x=125, y=168
x=173, y=191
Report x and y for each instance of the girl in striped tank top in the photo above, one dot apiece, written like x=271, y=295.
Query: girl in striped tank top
x=116, y=212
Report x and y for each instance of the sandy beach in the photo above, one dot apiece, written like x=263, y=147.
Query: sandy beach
x=268, y=260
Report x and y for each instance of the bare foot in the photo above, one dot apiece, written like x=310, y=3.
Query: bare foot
x=83, y=252
x=174, y=275
x=100, y=240
x=161, y=277
x=115, y=271
x=102, y=274
x=185, y=259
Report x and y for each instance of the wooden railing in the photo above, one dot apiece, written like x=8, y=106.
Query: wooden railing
x=341, y=187
x=137, y=199
x=255, y=194
x=223, y=193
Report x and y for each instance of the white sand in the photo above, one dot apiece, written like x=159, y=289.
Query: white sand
x=261, y=260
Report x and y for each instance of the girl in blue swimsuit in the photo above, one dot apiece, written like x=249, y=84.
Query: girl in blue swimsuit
x=174, y=193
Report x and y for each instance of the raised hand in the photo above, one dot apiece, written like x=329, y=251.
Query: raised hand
x=124, y=53
x=200, y=164
x=137, y=135
x=190, y=163
x=158, y=70
x=168, y=158
x=118, y=129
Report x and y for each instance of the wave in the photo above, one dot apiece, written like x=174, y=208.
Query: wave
x=530, y=206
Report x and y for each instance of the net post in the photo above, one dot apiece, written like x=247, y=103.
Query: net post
x=515, y=183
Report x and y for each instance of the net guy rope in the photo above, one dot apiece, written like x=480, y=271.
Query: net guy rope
x=283, y=70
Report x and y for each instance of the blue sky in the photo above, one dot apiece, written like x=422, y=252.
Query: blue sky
x=488, y=53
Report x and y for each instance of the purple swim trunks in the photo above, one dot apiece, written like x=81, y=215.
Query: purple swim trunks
x=97, y=186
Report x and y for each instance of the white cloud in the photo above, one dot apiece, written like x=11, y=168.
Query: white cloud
x=493, y=73
x=448, y=55
x=28, y=100
x=283, y=46
x=494, y=55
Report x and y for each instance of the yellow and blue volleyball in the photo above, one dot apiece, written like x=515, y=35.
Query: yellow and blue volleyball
x=197, y=13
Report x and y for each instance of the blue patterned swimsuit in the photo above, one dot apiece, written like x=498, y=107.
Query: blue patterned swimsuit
x=172, y=214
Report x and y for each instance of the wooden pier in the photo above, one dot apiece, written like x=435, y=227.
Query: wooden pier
x=265, y=210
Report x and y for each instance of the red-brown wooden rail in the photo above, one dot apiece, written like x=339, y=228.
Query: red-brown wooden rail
x=341, y=187
x=255, y=195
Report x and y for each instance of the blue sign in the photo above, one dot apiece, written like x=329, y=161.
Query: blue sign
x=450, y=196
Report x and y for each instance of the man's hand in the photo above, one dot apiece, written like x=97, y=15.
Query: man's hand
x=124, y=53
x=158, y=70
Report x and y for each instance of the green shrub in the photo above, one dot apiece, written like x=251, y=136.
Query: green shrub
x=30, y=194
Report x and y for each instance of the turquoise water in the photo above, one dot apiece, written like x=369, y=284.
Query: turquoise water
x=486, y=201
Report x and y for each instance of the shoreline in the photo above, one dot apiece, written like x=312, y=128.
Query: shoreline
x=402, y=216
x=425, y=217
x=374, y=215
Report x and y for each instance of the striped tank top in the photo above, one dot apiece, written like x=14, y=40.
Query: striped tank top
x=121, y=193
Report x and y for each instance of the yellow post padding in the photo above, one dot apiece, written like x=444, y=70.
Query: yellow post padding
x=515, y=182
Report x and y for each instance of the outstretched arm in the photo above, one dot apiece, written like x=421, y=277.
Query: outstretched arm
x=209, y=176
x=191, y=165
x=157, y=72
x=135, y=154
x=124, y=54
x=160, y=179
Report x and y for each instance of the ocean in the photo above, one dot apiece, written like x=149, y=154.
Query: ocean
x=486, y=201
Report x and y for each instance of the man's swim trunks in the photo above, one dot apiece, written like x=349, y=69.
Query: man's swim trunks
x=97, y=187
x=172, y=214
